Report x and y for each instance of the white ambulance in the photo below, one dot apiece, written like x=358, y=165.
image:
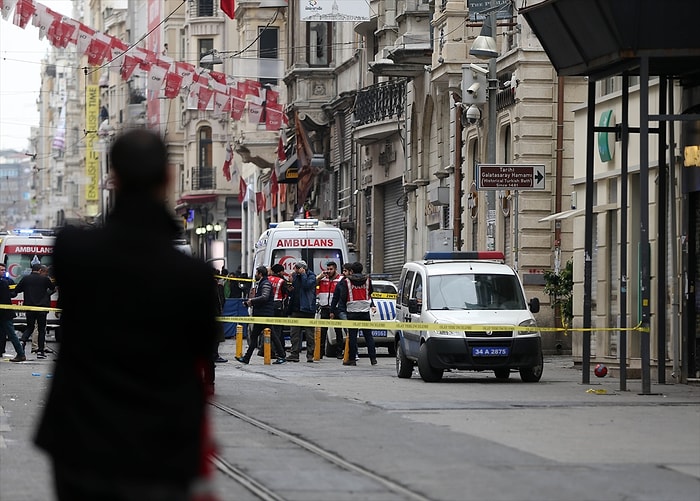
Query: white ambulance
x=309, y=240
x=19, y=249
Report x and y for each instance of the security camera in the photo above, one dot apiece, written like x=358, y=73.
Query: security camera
x=473, y=114
x=480, y=69
x=473, y=88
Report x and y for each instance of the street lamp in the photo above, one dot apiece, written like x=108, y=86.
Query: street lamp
x=484, y=47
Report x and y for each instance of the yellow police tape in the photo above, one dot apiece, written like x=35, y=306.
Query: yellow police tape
x=381, y=324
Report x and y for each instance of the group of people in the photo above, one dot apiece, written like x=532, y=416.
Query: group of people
x=346, y=296
x=37, y=288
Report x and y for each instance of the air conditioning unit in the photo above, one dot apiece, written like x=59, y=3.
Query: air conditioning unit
x=440, y=195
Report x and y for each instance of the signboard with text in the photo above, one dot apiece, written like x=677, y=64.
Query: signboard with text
x=509, y=177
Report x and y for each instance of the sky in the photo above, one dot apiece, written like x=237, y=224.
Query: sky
x=21, y=52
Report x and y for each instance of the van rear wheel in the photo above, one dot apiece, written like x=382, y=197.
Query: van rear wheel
x=427, y=372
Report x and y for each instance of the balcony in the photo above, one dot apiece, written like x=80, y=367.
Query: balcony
x=203, y=178
x=377, y=110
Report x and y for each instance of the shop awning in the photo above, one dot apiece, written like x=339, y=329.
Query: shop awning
x=562, y=215
x=197, y=198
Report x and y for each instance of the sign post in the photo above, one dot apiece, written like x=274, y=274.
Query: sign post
x=510, y=177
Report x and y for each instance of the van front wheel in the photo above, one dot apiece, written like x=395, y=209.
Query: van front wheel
x=533, y=374
x=428, y=373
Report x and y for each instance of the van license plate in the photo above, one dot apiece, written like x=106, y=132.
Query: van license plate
x=376, y=333
x=490, y=351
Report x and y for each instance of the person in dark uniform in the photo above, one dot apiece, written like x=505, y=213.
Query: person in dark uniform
x=120, y=423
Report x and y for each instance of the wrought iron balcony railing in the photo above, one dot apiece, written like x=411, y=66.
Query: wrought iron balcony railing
x=203, y=178
x=381, y=101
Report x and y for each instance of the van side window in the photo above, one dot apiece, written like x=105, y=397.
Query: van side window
x=405, y=289
x=417, y=292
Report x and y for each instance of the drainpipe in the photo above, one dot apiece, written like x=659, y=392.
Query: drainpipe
x=558, y=168
x=457, y=224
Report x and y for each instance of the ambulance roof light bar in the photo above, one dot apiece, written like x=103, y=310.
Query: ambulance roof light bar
x=306, y=223
x=470, y=255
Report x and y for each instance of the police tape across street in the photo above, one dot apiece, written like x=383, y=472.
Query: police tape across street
x=381, y=324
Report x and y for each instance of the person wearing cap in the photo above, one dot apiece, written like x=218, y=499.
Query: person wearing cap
x=326, y=282
x=302, y=301
x=280, y=292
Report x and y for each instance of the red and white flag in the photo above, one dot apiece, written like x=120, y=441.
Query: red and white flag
x=173, y=84
x=24, y=10
x=255, y=110
x=227, y=162
x=259, y=201
x=242, y=189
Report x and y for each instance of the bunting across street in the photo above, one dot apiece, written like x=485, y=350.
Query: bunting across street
x=204, y=89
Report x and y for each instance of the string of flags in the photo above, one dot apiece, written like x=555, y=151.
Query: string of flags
x=203, y=88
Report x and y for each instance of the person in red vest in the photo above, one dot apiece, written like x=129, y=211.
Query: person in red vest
x=359, y=303
x=280, y=293
x=326, y=282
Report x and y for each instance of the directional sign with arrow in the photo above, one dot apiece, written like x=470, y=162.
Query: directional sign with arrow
x=510, y=177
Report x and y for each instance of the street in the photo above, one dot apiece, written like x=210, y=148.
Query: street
x=322, y=431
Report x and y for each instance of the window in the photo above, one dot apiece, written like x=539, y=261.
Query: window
x=203, y=175
x=205, y=159
x=268, y=45
x=319, y=43
x=205, y=45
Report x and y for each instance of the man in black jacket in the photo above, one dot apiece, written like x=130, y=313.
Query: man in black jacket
x=37, y=289
x=119, y=424
x=263, y=304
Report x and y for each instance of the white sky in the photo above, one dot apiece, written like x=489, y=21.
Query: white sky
x=21, y=52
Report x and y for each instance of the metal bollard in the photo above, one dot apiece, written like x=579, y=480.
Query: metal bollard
x=346, y=353
x=317, y=343
x=239, y=340
x=266, y=346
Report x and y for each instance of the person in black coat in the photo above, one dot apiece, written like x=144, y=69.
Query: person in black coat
x=126, y=416
x=263, y=304
x=37, y=289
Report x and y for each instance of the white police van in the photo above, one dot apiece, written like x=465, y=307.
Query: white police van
x=476, y=289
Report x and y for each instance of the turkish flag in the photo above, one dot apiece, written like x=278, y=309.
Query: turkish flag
x=242, y=188
x=229, y=7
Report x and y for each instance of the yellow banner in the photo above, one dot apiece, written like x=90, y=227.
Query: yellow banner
x=92, y=157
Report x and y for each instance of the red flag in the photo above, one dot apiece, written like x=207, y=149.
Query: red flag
x=24, y=10
x=259, y=201
x=229, y=7
x=98, y=50
x=273, y=182
x=128, y=66
x=227, y=162
x=280, y=150
x=173, y=84
x=273, y=116
x=242, y=188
